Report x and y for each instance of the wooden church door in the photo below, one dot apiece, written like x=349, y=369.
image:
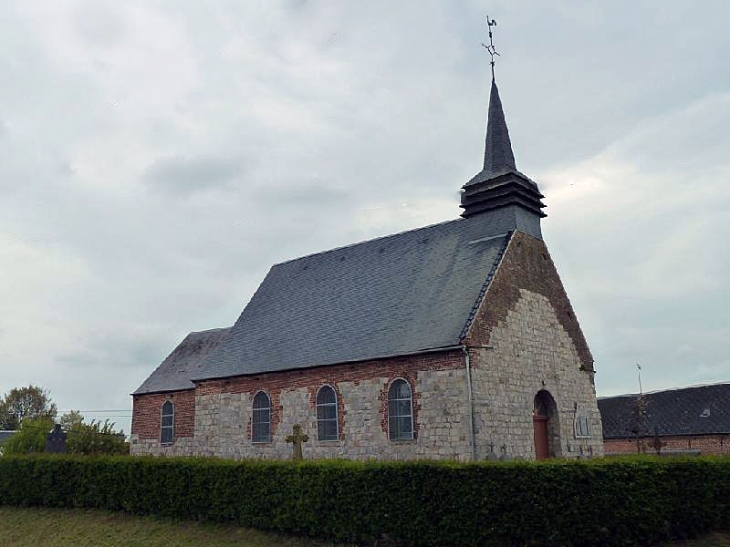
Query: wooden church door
x=540, y=423
x=540, y=417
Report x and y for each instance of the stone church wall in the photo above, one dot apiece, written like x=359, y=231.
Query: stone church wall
x=527, y=340
x=223, y=412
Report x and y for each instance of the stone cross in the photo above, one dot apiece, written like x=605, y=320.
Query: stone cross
x=56, y=440
x=297, y=439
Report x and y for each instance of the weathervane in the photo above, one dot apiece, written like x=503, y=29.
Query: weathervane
x=490, y=48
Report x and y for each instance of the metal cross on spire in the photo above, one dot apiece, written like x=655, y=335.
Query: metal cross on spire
x=490, y=48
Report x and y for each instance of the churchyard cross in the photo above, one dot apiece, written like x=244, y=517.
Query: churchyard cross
x=56, y=440
x=297, y=438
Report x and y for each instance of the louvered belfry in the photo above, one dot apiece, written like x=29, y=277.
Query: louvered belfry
x=499, y=184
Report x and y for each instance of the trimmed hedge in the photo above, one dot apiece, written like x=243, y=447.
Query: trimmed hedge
x=601, y=502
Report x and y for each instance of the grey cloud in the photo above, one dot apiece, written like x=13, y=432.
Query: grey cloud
x=99, y=24
x=289, y=148
x=187, y=175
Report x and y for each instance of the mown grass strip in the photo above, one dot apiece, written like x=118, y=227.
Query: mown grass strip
x=43, y=527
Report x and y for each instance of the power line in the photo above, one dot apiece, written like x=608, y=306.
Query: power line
x=73, y=431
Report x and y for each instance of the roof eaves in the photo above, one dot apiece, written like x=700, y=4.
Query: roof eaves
x=157, y=391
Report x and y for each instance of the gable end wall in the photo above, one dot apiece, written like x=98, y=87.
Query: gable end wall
x=525, y=338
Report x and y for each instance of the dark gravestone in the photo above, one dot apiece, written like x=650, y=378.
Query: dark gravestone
x=56, y=441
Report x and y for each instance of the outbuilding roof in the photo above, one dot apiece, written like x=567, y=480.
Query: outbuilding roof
x=697, y=410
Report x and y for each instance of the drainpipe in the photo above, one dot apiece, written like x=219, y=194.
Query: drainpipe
x=472, y=433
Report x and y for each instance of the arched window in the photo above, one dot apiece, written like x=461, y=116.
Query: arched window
x=167, y=424
x=400, y=411
x=326, y=414
x=261, y=423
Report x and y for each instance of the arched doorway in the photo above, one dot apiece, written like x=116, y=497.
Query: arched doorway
x=543, y=417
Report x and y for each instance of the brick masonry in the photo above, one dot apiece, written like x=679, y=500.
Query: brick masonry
x=147, y=414
x=524, y=338
x=706, y=444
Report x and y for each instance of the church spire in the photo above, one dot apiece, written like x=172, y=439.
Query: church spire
x=499, y=184
x=498, y=156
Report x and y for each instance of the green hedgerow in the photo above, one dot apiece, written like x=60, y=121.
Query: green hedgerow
x=620, y=501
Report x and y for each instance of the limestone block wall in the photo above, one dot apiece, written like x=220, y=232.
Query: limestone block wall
x=530, y=351
x=223, y=412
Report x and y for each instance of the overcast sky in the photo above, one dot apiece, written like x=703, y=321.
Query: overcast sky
x=156, y=158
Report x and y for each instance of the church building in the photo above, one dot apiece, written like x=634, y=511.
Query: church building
x=452, y=341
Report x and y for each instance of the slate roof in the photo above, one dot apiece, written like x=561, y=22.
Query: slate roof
x=395, y=295
x=498, y=156
x=175, y=372
x=699, y=410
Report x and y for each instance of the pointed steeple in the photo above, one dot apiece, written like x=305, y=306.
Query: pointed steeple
x=499, y=184
x=498, y=156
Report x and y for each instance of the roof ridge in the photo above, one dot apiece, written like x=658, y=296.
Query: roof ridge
x=206, y=331
x=487, y=282
x=654, y=392
x=379, y=238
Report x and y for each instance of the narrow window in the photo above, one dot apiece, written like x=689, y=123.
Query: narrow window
x=326, y=414
x=167, y=425
x=261, y=423
x=400, y=411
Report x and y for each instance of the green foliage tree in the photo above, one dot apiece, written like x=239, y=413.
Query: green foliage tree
x=71, y=419
x=93, y=438
x=26, y=402
x=31, y=437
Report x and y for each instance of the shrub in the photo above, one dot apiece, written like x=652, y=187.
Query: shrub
x=31, y=437
x=608, y=502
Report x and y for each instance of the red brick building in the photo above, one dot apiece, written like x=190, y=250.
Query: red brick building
x=456, y=340
x=693, y=420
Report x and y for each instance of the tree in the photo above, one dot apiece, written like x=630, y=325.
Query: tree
x=31, y=437
x=26, y=402
x=92, y=438
x=639, y=417
x=71, y=419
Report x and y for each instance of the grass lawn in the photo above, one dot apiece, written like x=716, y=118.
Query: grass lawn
x=36, y=527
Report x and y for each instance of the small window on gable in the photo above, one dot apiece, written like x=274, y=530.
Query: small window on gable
x=326, y=414
x=167, y=424
x=582, y=427
x=261, y=420
x=400, y=411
